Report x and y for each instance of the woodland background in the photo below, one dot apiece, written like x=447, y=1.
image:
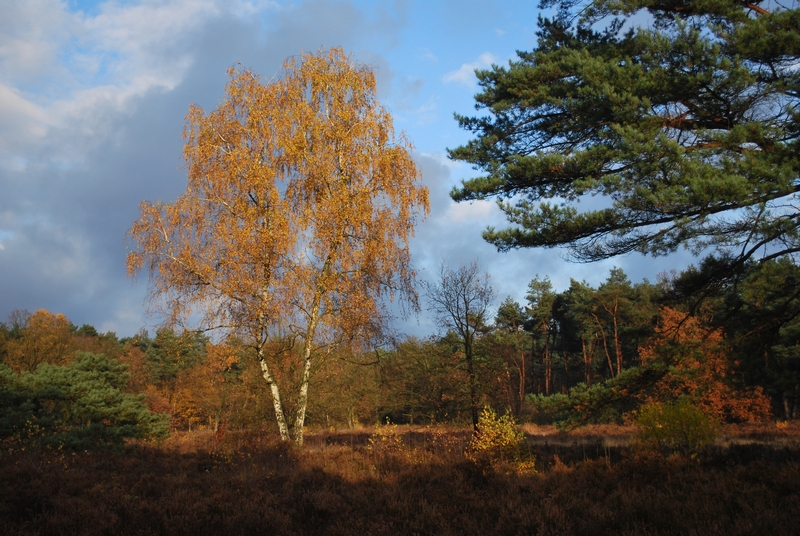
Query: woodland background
x=533, y=359
x=663, y=407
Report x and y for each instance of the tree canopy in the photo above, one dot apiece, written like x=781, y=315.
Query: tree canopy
x=295, y=223
x=616, y=134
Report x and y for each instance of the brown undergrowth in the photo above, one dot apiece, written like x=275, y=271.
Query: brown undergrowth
x=417, y=481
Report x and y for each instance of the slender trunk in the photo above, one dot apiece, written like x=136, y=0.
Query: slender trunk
x=511, y=398
x=522, y=378
x=587, y=378
x=473, y=391
x=308, y=343
x=548, y=369
x=537, y=378
x=280, y=416
x=605, y=345
x=590, y=358
x=617, y=346
x=789, y=406
x=302, y=397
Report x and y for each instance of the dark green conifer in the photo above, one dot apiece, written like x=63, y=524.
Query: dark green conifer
x=644, y=125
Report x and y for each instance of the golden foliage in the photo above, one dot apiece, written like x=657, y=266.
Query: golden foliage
x=497, y=438
x=386, y=438
x=207, y=391
x=297, y=214
x=138, y=370
x=45, y=339
x=701, y=368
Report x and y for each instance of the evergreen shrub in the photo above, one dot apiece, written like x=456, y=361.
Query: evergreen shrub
x=80, y=406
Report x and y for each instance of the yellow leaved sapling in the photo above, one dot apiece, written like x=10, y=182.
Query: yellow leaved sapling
x=294, y=226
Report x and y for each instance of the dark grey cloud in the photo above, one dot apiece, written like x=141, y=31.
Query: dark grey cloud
x=104, y=133
x=71, y=182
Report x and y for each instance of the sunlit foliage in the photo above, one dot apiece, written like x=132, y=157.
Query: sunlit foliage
x=295, y=223
x=497, y=437
x=701, y=366
x=43, y=337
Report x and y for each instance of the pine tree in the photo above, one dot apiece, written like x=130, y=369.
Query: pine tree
x=682, y=131
x=78, y=406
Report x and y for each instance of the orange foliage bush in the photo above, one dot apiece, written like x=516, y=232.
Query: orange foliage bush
x=45, y=339
x=138, y=370
x=157, y=402
x=205, y=392
x=701, y=368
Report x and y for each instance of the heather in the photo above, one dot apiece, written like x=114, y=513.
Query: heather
x=341, y=483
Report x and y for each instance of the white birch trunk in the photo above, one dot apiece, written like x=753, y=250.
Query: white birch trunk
x=280, y=416
x=302, y=397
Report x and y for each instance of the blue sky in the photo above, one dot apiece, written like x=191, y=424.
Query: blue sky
x=93, y=96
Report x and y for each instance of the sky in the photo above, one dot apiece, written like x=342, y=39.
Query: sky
x=93, y=96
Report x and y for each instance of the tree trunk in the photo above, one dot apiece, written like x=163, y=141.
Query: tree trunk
x=789, y=406
x=586, y=363
x=537, y=379
x=617, y=346
x=280, y=416
x=590, y=358
x=473, y=391
x=617, y=343
x=605, y=345
x=548, y=366
x=522, y=377
x=547, y=374
x=302, y=397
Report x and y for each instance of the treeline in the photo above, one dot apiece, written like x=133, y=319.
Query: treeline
x=597, y=353
x=581, y=354
x=182, y=377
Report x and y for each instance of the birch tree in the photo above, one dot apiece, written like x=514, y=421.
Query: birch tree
x=295, y=223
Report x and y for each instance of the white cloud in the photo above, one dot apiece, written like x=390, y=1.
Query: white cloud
x=476, y=211
x=466, y=73
x=17, y=112
x=31, y=31
x=140, y=46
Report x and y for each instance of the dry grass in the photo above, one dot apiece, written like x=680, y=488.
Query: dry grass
x=245, y=483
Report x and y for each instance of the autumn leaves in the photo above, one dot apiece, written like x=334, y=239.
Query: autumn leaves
x=295, y=223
